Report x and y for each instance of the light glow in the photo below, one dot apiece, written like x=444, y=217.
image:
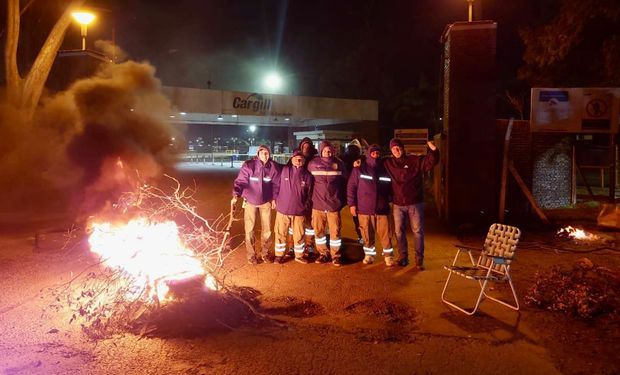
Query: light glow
x=273, y=81
x=83, y=18
x=150, y=253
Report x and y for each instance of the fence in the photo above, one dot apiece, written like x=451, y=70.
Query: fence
x=225, y=159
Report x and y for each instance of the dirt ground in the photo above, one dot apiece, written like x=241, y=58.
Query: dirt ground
x=356, y=319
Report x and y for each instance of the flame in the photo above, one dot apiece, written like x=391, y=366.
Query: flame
x=578, y=234
x=151, y=253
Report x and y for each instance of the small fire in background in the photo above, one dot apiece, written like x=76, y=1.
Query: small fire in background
x=577, y=234
x=150, y=252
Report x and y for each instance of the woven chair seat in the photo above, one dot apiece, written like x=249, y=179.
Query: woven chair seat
x=475, y=273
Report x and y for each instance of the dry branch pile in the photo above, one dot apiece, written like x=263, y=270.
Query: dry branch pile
x=585, y=290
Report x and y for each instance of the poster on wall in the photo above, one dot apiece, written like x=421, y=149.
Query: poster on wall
x=575, y=110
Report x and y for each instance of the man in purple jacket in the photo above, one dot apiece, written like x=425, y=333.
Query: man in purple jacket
x=407, y=174
x=368, y=196
x=327, y=200
x=258, y=183
x=309, y=152
x=291, y=204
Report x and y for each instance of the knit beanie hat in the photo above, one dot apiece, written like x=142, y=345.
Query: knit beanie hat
x=297, y=152
x=371, y=148
x=263, y=147
x=323, y=145
x=396, y=142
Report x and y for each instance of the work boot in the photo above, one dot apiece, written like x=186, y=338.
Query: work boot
x=403, y=262
x=336, y=262
x=368, y=259
x=278, y=260
x=389, y=261
x=301, y=260
x=322, y=259
x=253, y=260
x=268, y=258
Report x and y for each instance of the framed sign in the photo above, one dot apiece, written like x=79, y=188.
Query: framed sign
x=575, y=110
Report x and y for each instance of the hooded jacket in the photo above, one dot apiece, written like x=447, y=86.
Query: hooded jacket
x=329, y=181
x=407, y=174
x=258, y=183
x=370, y=188
x=295, y=189
x=312, y=152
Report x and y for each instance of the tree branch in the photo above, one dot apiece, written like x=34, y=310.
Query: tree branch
x=13, y=79
x=36, y=78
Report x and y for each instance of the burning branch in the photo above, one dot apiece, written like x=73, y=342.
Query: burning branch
x=577, y=234
x=155, y=249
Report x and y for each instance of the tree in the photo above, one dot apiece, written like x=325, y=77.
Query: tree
x=580, y=46
x=25, y=91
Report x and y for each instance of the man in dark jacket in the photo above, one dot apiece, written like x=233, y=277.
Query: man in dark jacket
x=291, y=205
x=327, y=200
x=368, y=196
x=407, y=174
x=258, y=183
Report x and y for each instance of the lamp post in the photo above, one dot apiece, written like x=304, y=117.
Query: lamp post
x=83, y=18
x=470, y=9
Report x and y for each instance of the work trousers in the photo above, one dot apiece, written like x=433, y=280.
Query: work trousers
x=285, y=225
x=379, y=226
x=414, y=216
x=356, y=225
x=308, y=230
x=331, y=220
x=249, y=218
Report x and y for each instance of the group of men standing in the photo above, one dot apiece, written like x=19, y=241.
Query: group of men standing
x=310, y=190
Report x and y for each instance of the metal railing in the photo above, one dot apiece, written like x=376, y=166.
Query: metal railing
x=225, y=159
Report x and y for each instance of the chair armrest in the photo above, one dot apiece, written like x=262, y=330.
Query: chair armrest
x=468, y=248
x=499, y=259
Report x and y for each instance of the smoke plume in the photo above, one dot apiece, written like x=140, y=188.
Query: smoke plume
x=85, y=145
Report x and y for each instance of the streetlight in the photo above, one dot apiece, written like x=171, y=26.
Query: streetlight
x=83, y=18
x=252, y=128
x=273, y=81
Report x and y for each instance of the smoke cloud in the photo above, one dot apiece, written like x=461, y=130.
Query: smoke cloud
x=87, y=144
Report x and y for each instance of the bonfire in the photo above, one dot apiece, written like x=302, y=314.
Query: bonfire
x=153, y=249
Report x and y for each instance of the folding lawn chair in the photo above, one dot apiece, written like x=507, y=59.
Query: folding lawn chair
x=493, y=264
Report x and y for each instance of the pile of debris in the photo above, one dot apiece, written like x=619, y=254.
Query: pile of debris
x=584, y=290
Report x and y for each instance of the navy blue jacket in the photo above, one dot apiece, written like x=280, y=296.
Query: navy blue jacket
x=329, y=183
x=258, y=183
x=369, y=188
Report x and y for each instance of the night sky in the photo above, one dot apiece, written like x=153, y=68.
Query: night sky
x=357, y=49
x=367, y=49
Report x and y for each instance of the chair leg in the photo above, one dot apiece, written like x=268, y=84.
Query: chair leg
x=507, y=304
x=468, y=312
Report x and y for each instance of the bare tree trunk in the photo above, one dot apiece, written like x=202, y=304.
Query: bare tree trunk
x=25, y=93
x=36, y=78
x=13, y=80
